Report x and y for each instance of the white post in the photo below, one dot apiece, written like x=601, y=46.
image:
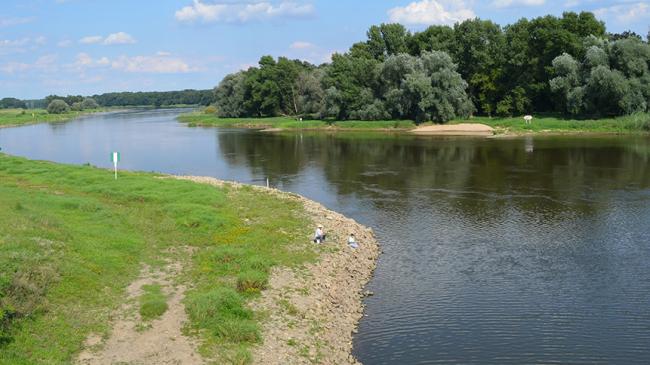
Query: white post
x=267, y=182
x=116, y=158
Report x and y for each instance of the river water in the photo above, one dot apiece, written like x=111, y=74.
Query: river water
x=496, y=251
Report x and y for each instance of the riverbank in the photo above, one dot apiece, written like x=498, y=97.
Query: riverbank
x=18, y=117
x=81, y=254
x=630, y=124
x=198, y=119
x=476, y=126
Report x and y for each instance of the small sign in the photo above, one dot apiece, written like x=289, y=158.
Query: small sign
x=115, y=158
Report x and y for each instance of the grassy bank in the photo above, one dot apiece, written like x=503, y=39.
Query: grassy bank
x=210, y=120
x=638, y=123
x=72, y=239
x=16, y=117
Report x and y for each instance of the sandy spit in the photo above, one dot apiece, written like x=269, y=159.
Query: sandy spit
x=463, y=129
x=313, y=312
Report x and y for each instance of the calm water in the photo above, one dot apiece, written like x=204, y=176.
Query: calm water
x=500, y=251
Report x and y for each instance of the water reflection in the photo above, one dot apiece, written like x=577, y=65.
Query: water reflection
x=497, y=251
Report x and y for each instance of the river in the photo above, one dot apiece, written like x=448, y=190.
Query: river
x=496, y=251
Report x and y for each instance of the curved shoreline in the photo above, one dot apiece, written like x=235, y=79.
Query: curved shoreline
x=312, y=312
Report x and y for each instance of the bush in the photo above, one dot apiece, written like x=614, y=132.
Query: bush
x=89, y=103
x=251, y=281
x=210, y=110
x=58, y=106
x=76, y=106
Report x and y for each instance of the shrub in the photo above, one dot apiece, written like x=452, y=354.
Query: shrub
x=58, y=106
x=210, y=110
x=76, y=106
x=251, y=281
x=89, y=103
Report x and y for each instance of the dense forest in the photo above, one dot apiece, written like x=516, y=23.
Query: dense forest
x=567, y=64
x=154, y=98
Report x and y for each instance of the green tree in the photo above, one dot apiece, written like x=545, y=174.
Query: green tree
x=12, y=103
x=387, y=39
x=434, y=38
x=229, y=96
x=425, y=88
x=89, y=103
x=58, y=106
x=479, y=46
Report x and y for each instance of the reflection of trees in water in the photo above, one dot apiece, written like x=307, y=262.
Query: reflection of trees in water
x=484, y=175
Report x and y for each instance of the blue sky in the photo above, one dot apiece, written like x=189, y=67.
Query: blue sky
x=95, y=46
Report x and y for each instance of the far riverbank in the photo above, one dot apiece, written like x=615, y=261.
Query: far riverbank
x=632, y=124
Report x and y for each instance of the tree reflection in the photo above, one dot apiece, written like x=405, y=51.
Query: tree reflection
x=544, y=175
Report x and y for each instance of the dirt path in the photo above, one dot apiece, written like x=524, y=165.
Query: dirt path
x=133, y=341
x=463, y=129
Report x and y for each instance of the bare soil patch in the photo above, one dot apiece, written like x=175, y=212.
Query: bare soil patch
x=133, y=341
x=463, y=129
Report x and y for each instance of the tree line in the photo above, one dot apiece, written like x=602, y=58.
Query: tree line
x=567, y=64
x=154, y=98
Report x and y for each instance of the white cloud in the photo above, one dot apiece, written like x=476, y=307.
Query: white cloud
x=64, y=43
x=571, y=3
x=119, y=38
x=163, y=54
x=233, y=12
x=46, y=64
x=84, y=61
x=8, y=22
x=509, y=3
x=151, y=64
x=14, y=42
x=428, y=12
x=301, y=45
x=21, y=45
x=114, y=38
x=91, y=39
x=624, y=13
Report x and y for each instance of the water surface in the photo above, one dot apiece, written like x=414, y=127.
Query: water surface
x=496, y=251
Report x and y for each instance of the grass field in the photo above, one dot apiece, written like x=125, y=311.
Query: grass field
x=72, y=239
x=15, y=117
x=638, y=123
x=207, y=120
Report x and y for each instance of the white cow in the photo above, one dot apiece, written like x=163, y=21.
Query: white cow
x=528, y=119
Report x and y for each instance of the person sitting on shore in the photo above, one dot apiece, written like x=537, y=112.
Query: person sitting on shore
x=319, y=236
x=352, y=242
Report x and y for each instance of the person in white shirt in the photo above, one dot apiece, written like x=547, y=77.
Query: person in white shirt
x=319, y=235
x=352, y=242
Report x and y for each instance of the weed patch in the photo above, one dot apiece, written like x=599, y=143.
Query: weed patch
x=153, y=303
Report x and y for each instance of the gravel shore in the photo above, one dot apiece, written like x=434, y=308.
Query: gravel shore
x=311, y=313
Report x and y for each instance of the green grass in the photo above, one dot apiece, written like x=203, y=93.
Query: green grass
x=72, y=239
x=15, y=117
x=153, y=303
x=210, y=120
x=637, y=123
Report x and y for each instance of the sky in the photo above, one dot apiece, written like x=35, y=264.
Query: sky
x=94, y=46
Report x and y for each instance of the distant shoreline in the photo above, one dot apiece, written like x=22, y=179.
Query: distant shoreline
x=477, y=126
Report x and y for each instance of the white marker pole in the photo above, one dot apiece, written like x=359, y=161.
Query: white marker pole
x=267, y=182
x=116, y=159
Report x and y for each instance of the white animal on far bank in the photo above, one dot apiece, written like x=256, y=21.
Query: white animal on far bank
x=528, y=119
